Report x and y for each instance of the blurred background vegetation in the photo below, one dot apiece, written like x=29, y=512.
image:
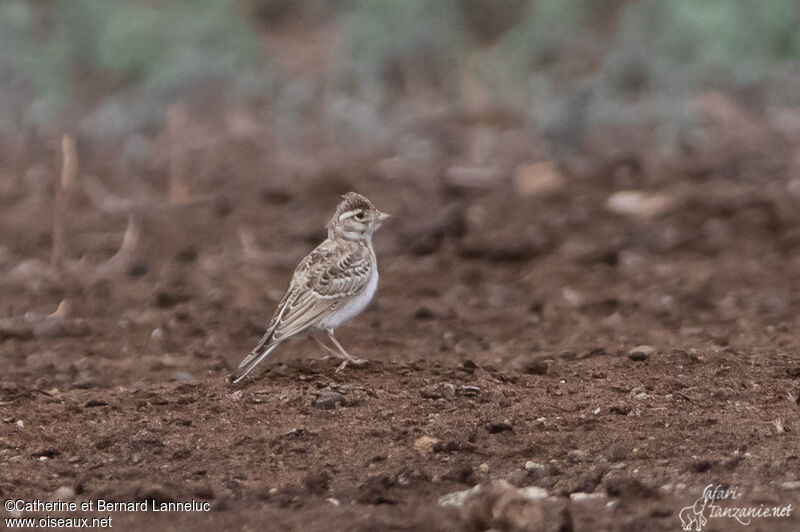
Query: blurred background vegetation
x=114, y=65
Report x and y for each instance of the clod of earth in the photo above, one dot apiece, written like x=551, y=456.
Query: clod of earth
x=329, y=399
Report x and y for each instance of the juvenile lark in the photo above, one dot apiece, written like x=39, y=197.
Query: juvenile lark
x=331, y=284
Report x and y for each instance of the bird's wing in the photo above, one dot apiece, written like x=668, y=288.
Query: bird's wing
x=328, y=277
x=324, y=279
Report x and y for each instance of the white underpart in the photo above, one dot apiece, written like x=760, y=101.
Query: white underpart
x=354, y=307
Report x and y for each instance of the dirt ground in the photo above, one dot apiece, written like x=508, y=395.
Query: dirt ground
x=505, y=345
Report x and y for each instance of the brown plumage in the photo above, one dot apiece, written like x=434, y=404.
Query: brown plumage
x=330, y=285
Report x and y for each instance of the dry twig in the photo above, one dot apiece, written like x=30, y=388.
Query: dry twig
x=123, y=258
x=178, y=163
x=64, y=194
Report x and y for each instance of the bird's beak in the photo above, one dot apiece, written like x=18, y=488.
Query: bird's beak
x=382, y=216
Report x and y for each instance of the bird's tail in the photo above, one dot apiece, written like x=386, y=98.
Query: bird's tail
x=252, y=360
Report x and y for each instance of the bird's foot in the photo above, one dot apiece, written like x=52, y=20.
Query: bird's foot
x=354, y=361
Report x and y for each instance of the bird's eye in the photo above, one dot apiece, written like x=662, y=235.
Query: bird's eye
x=360, y=215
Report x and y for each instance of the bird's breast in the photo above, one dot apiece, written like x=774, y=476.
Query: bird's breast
x=354, y=306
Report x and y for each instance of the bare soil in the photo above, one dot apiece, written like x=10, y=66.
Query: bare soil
x=503, y=335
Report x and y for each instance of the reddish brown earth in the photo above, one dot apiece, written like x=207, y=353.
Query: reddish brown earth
x=502, y=330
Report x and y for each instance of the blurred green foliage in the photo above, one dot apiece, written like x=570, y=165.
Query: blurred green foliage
x=520, y=50
x=720, y=43
x=657, y=43
x=386, y=31
x=568, y=63
x=159, y=46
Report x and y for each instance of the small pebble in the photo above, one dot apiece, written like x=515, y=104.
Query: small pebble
x=63, y=493
x=534, y=466
x=458, y=498
x=641, y=353
x=184, y=377
x=425, y=444
x=581, y=496
x=533, y=492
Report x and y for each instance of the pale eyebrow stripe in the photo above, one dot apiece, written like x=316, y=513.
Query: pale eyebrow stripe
x=348, y=214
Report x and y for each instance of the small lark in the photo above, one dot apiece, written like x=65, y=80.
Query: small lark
x=331, y=284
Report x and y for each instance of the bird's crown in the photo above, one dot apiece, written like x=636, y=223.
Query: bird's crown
x=352, y=201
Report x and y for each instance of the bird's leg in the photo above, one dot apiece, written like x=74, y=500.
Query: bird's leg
x=328, y=349
x=344, y=354
x=337, y=354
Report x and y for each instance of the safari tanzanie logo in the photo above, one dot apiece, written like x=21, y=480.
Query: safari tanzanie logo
x=718, y=502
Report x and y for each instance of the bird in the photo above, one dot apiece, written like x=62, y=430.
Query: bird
x=333, y=283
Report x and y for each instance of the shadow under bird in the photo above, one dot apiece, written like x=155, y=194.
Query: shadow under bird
x=332, y=284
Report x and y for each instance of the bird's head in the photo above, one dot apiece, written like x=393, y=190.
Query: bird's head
x=356, y=218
